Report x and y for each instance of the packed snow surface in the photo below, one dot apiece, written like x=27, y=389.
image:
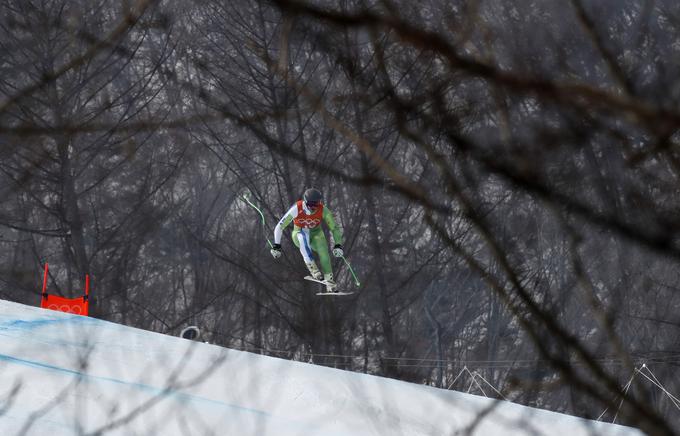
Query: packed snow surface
x=63, y=374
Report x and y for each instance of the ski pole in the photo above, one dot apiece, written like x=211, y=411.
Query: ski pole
x=356, y=280
x=245, y=198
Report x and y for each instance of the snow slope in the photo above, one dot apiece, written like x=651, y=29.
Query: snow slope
x=64, y=374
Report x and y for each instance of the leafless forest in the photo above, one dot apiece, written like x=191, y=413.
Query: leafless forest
x=506, y=174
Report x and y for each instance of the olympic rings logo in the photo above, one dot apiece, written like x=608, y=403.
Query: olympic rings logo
x=309, y=222
x=65, y=308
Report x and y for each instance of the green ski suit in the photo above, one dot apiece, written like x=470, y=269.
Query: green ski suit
x=310, y=239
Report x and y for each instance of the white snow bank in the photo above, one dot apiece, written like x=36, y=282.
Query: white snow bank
x=63, y=374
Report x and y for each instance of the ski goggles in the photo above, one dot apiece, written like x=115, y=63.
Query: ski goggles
x=312, y=204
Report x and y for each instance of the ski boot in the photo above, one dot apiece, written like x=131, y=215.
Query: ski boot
x=331, y=286
x=314, y=270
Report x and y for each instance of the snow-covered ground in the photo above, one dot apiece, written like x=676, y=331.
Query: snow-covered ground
x=64, y=374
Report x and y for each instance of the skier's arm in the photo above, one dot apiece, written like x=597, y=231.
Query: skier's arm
x=283, y=223
x=332, y=226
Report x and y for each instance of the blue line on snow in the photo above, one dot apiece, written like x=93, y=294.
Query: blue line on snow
x=158, y=391
x=23, y=324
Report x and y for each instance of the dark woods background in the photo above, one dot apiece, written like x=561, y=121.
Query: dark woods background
x=506, y=174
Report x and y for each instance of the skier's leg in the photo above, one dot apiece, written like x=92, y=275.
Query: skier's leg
x=301, y=241
x=320, y=245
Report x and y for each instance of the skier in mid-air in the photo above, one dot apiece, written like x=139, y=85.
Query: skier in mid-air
x=307, y=215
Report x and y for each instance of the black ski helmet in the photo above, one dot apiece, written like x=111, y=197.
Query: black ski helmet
x=312, y=197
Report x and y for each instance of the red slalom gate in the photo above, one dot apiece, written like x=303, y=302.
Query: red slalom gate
x=78, y=306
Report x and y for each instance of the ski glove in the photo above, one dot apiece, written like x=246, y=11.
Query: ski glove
x=337, y=250
x=276, y=251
